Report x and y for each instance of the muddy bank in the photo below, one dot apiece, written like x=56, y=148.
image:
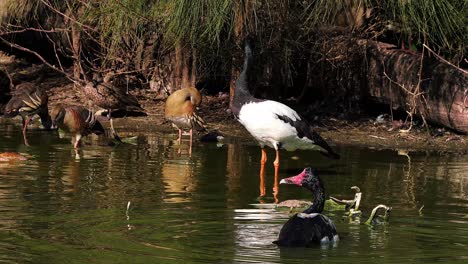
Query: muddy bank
x=370, y=131
x=377, y=132
x=366, y=133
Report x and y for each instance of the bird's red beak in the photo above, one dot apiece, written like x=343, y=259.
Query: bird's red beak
x=297, y=180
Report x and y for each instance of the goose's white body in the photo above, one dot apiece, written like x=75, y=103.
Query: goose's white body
x=262, y=121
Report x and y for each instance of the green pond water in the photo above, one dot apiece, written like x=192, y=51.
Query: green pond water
x=146, y=203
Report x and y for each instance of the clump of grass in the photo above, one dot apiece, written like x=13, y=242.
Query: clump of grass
x=120, y=27
x=440, y=24
x=19, y=11
x=198, y=22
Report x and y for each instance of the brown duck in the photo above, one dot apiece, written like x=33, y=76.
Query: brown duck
x=108, y=96
x=27, y=100
x=76, y=120
x=180, y=110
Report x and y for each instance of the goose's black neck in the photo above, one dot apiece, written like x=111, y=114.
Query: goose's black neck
x=241, y=92
x=318, y=190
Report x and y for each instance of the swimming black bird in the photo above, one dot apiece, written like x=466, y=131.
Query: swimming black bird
x=271, y=123
x=309, y=227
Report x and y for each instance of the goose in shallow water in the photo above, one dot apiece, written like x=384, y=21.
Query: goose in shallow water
x=272, y=123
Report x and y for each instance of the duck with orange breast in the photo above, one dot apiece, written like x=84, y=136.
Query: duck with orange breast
x=181, y=108
x=272, y=123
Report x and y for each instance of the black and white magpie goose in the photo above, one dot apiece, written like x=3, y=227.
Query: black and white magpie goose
x=309, y=227
x=272, y=123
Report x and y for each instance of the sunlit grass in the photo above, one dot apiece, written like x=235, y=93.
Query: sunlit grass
x=211, y=27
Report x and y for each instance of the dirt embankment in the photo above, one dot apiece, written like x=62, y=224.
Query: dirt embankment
x=369, y=132
x=378, y=131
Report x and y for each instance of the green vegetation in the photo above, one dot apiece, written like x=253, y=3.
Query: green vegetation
x=133, y=36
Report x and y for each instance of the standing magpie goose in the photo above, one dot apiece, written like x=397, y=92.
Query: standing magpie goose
x=272, y=123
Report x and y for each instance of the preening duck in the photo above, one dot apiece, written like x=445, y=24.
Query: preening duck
x=271, y=123
x=309, y=227
x=181, y=108
x=28, y=100
x=76, y=120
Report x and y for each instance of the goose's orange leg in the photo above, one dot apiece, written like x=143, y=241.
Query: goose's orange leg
x=24, y=130
x=262, y=173
x=275, y=184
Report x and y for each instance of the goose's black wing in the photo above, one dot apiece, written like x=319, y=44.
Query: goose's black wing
x=304, y=231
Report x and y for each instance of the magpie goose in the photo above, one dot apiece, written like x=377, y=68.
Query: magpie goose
x=272, y=123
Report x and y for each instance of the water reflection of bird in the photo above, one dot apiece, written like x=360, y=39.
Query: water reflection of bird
x=309, y=227
x=76, y=120
x=27, y=100
x=272, y=123
x=376, y=219
x=108, y=96
x=180, y=110
x=178, y=177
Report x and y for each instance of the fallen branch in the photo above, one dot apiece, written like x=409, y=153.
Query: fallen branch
x=435, y=90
